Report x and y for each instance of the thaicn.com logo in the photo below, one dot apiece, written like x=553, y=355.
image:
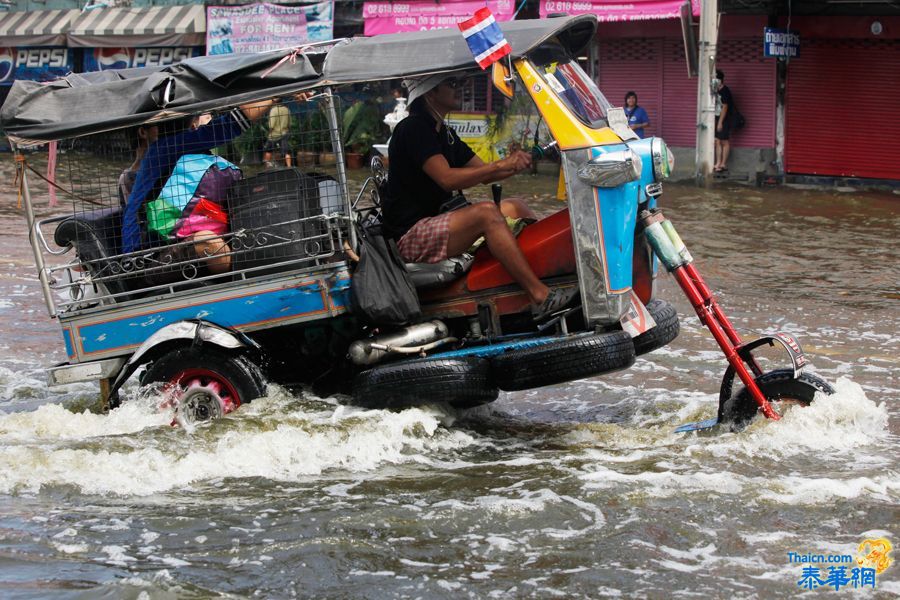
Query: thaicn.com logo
x=839, y=571
x=7, y=64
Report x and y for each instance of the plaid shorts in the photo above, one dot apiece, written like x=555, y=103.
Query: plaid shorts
x=426, y=241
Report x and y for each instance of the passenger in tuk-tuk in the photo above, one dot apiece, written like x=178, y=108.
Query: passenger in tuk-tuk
x=156, y=166
x=428, y=162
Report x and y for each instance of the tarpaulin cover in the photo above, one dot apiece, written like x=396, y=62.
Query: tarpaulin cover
x=41, y=112
x=442, y=50
x=38, y=112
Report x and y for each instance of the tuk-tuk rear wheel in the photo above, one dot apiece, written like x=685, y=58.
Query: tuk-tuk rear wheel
x=204, y=383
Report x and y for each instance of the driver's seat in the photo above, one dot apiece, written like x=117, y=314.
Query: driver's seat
x=423, y=275
x=430, y=275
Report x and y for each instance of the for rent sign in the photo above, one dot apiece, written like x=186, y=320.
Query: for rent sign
x=260, y=27
x=781, y=43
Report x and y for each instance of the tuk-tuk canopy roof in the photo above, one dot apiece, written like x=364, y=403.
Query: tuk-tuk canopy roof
x=88, y=103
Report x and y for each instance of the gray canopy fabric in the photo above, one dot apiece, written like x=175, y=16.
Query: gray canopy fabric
x=35, y=112
x=182, y=25
x=36, y=27
x=443, y=50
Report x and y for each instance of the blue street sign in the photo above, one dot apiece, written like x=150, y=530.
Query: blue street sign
x=781, y=43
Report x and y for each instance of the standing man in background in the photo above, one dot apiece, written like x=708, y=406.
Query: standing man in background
x=724, y=122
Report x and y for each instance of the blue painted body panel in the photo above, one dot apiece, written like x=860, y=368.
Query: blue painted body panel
x=120, y=330
x=617, y=210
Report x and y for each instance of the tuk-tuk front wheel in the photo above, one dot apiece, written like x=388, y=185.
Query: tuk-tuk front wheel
x=780, y=388
x=204, y=384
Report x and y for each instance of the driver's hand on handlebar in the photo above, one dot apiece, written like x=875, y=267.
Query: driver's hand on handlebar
x=515, y=162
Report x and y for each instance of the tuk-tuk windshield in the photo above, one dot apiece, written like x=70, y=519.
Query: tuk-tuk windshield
x=563, y=75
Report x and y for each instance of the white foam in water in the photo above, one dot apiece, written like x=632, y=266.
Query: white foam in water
x=835, y=428
x=831, y=425
x=296, y=445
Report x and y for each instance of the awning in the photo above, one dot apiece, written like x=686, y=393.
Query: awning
x=36, y=27
x=136, y=27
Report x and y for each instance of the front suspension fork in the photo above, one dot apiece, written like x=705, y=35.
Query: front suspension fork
x=674, y=255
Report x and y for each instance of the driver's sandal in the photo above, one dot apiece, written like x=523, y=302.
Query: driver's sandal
x=557, y=300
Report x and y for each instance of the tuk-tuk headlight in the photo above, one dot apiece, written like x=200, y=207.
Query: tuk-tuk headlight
x=663, y=160
x=611, y=169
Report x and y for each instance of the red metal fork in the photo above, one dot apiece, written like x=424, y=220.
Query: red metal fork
x=678, y=261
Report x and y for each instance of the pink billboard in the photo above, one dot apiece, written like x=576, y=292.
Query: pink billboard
x=393, y=17
x=618, y=10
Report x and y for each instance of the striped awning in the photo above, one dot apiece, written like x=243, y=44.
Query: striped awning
x=155, y=26
x=36, y=27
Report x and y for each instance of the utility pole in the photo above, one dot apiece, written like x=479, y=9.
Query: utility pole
x=706, y=105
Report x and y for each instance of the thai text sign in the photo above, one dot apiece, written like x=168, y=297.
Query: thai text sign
x=393, y=17
x=261, y=27
x=781, y=43
x=618, y=10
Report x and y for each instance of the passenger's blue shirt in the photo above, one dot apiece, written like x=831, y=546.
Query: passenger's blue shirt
x=160, y=159
x=638, y=115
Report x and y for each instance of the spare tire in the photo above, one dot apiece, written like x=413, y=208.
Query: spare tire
x=666, y=330
x=575, y=357
x=462, y=382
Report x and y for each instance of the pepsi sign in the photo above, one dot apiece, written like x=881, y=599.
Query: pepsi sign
x=104, y=59
x=36, y=64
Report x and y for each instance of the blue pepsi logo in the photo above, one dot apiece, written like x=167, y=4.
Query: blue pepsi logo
x=112, y=58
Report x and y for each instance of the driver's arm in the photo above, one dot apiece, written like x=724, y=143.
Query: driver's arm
x=475, y=171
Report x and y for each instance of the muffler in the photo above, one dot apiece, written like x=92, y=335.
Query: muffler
x=409, y=340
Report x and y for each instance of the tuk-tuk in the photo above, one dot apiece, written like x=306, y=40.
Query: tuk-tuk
x=264, y=294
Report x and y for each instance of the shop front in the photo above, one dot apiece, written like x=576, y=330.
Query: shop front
x=842, y=109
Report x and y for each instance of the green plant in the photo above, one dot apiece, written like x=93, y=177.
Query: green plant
x=249, y=143
x=362, y=127
x=314, y=134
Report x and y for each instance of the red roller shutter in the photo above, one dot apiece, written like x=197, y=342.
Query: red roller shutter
x=843, y=109
x=679, y=113
x=656, y=69
x=632, y=64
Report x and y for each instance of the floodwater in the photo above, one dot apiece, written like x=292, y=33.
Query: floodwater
x=575, y=490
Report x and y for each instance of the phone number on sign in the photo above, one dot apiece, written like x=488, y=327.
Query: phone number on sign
x=567, y=6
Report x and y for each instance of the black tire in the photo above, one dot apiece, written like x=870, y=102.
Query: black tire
x=666, y=330
x=462, y=382
x=197, y=379
x=576, y=357
x=778, y=385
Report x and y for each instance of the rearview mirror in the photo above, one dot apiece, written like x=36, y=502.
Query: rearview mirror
x=502, y=80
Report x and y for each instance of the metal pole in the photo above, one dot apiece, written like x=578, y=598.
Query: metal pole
x=35, y=247
x=706, y=106
x=337, y=146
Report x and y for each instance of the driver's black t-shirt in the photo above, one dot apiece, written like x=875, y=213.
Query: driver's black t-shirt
x=411, y=194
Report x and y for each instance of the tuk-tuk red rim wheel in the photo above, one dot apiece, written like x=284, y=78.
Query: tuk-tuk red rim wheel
x=200, y=377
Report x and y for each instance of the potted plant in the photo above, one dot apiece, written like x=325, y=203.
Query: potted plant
x=301, y=137
x=362, y=128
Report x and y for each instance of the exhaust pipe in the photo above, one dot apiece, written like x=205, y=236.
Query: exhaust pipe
x=409, y=340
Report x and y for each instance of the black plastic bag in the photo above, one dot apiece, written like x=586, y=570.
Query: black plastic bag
x=739, y=120
x=381, y=291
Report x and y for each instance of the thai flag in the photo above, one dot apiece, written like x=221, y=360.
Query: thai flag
x=484, y=37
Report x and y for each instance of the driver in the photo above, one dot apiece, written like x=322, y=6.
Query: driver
x=428, y=161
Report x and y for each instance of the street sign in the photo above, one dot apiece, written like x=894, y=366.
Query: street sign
x=781, y=43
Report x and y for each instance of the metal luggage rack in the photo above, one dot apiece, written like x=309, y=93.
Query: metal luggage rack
x=286, y=206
